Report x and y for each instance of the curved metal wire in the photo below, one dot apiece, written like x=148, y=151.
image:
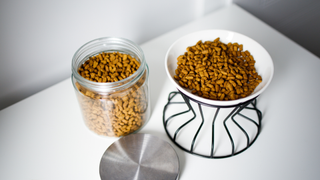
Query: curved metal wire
x=235, y=112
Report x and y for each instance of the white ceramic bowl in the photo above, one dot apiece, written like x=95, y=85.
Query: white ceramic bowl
x=264, y=64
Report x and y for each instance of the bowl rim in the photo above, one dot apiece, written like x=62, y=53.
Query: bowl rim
x=218, y=103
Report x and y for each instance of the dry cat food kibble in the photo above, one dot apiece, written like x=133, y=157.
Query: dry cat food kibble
x=217, y=71
x=108, y=67
x=114, y=113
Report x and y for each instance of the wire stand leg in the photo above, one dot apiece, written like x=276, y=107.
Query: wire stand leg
x=237, y=111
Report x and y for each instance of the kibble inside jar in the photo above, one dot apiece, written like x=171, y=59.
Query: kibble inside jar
x=108, y=67
x=117, y=113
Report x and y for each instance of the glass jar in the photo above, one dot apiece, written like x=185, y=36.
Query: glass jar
x=118, y=108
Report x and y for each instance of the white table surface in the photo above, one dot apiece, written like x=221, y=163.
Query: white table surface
x=44, y=137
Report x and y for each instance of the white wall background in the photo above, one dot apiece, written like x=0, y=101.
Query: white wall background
x=297, y=19
x=39, y=37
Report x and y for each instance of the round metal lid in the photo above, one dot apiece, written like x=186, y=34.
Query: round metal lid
x=139, y=157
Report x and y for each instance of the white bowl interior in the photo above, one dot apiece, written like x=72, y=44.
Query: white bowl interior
x=264, y=65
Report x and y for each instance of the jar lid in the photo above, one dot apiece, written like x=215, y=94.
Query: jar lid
x=139, y=157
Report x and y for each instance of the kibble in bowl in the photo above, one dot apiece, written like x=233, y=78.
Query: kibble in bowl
x=219, y=67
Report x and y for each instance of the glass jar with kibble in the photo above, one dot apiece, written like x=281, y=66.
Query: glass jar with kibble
x=110, y=78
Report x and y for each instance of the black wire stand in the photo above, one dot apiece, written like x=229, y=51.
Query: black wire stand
x=240, y=125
